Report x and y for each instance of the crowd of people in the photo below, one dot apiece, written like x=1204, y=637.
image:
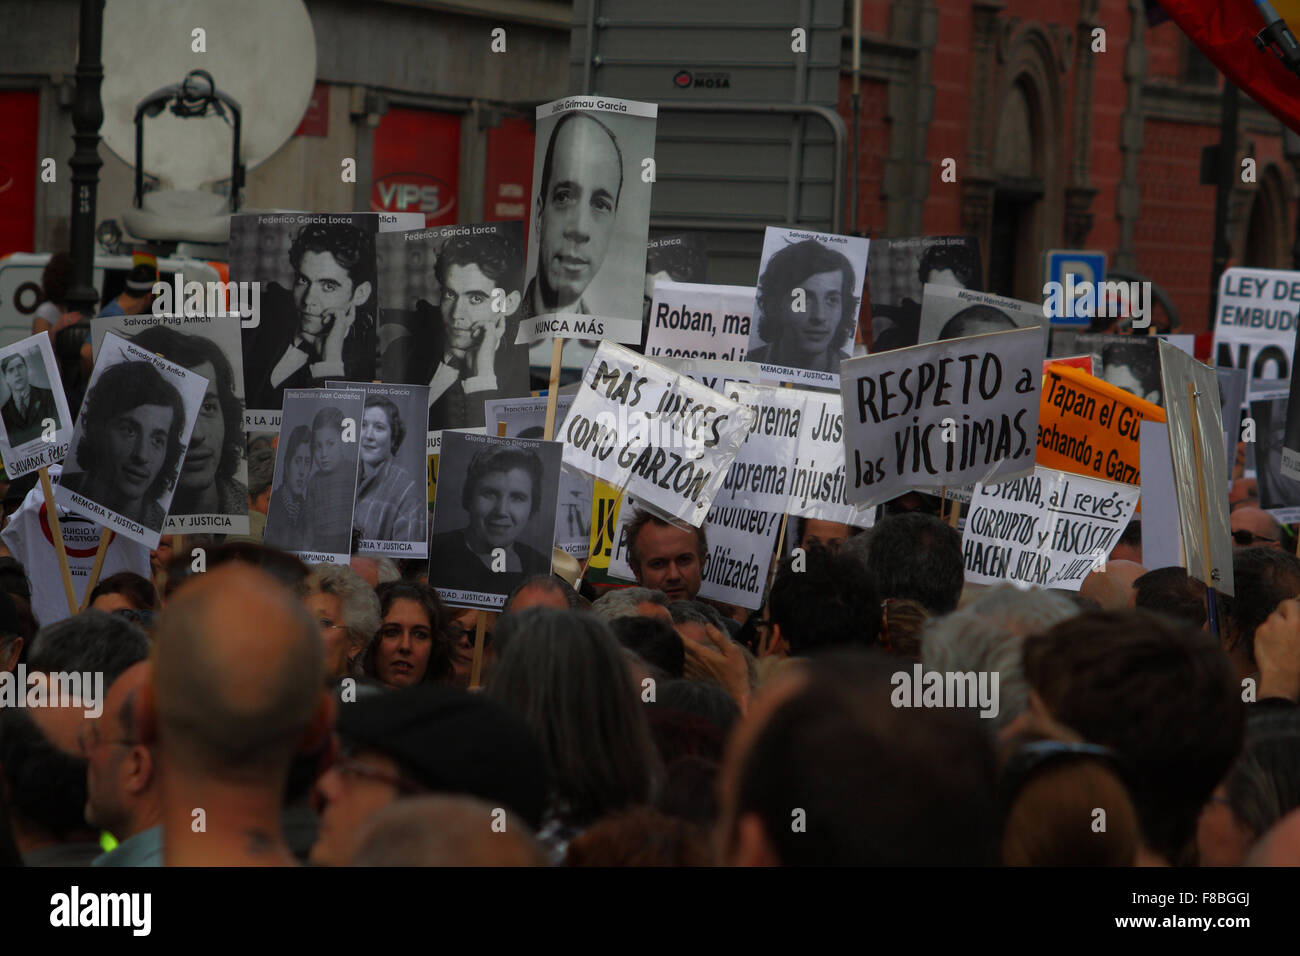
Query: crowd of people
x=266, y=712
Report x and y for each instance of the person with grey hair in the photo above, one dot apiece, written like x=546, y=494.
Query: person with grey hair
x=631, y=602
x=695, y=616
x=347, y=613
x=92, y=641
x=548, y=590
x=987, y=635
x=445, y=830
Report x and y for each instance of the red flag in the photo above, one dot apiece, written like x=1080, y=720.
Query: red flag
x=1225, y=31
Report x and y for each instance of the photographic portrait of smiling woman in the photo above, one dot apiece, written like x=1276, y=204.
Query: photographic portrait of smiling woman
x=492, y=531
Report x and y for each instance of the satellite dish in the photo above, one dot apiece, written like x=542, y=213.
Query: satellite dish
x=262, y=53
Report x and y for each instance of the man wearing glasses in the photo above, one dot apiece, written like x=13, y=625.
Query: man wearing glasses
x=1254, y=528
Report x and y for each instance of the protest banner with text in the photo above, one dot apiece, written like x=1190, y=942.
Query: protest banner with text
x=664, y=437
x=690, y=320
x=1090, y=427
x=1255, y=321
x=941, y=414
x=1049, y=529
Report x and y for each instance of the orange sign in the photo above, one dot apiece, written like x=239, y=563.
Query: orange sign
x=1090, y=427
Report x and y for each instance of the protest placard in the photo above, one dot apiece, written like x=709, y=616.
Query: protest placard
x=130, y=439
x=313, y=492
x=587, y=229
x=1049, y=528
x=605, y=507
x=1162, y=537
x=947, y=413
x=390, y=515
x=674, y=257
x=664, y=437
x=317, y=304
x=899, y=270
x=450, y=300
x=688, y=320
x=35, y=424
x=1290, y=462
x=715, y=373
x=29, y=535
x=952, y=313
x=525, y=418
x=212, y=488
x=1090, y=427
x=1255, y=321
x=792, y=461
x=1279, y=493
x=1195, y=418
x=806, y=305
x=494, y=517
x=739, y=544
x=1130, y=362
x=1083, y=362
x=1232, y=397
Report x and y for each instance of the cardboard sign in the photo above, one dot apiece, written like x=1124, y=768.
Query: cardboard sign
x=1200, y=471
x=792, y=460
x=313, y=493
x=212, y=488
x=639, y=425
x=605, y=505
x=1255, y=325
x=1090, y=427
x=1049, y=529
x=806, y=305
x=494, y=518
x=35, y=424
x=130, y=440
x=526, y=418
x=700, y=321
x=951, y=313
x=589, y=220
x=945, y=413
x=1162, y=539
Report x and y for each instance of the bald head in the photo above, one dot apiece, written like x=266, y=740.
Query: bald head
x=446, y=831
x=237, y=673
x=1259, y=523
x=1112, y=588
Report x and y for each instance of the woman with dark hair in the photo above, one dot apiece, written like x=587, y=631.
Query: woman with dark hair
x=390, y=506
x=808, y=331
x=502, y=493
x=330, y=487
x=411, y=645
x=568, y=678
x=286, y=516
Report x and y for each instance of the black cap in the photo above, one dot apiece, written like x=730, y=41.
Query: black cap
x=455, y=742
x=141, y=279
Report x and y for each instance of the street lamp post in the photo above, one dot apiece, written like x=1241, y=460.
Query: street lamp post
x=87, y=116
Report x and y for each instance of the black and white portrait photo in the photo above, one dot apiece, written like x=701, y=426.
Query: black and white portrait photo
x=679, y=257
x=806, y=307
x=948, y=312
x=1130, y=362
x=1278, y=492
x=212, y=489
x=590, y=219
x=33, y=409
x=898, y=272
x=130, y=440
x=450, y=303
x=318, y=302
x=494, y=516
x=391, y=514
x=313, y=490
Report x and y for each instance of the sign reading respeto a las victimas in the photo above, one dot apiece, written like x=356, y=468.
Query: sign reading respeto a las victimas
x=661, y=436
x=946, y=413
x=1049, y=529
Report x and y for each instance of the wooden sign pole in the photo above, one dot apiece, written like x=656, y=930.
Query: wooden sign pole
x=553, y=387
x=480, y=628
x=1211, y=596
x=56, y=531
x=105, y=539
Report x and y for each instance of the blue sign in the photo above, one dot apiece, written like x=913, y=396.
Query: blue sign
x=1073, y=271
